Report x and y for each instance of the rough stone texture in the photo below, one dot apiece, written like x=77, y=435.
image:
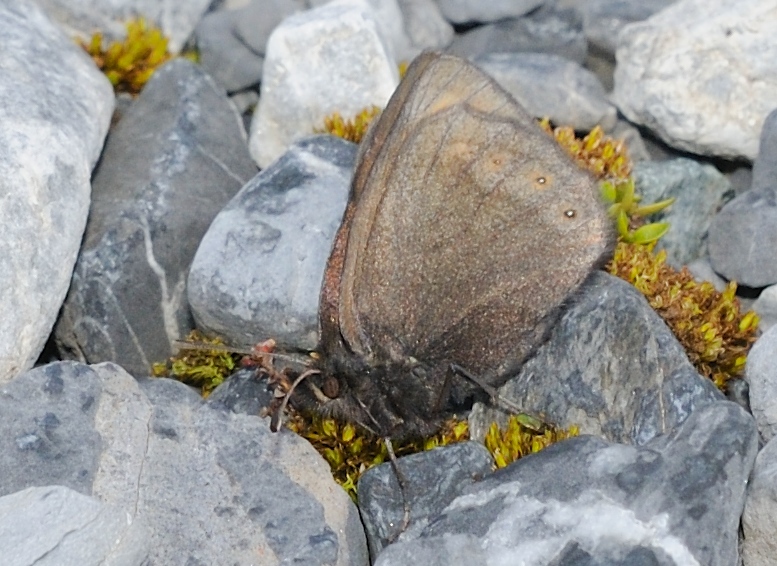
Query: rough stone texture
x=55, y=111
x=766, y=308
x=759, y=520
x=177, y=156
x=213, y=487
x=176, y=19
x=604, y=19
x=329, y=59
x=761, y=374
x=56, y=526
x=258, y=270
x=432, y=480
x=743, y=236
x=701, y=74
x=676, y=501
x=464, y=11
x=612, y=367
x=558, y=32
x=699, y=192
x=551, y=86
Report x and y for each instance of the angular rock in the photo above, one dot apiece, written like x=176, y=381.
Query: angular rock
x=759, y=520
x=326, y=60
x=432, y=480
x=761, y=374
x=177, y=156
x=551, y=86
x=56, y=526
x=699, y=192
x=701, y=74
x=258, y=270
x=743, y=236
x=213, y=487
x=676, y=501
x=604, y=19
x=612, y=367
x=55, y=113
x=82, y=17
x=558, y=32
x=464, y=11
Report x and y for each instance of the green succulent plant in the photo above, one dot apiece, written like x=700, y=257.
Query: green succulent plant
x=628, y=214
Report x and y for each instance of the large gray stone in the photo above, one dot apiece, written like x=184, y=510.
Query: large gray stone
x=177, y=156
x=612, y=367
x=213, y=487
x=759, y=520
x=676, y=501
x=177, y=19
x=55, y=111
x=743, y=236
x=56, y=526
x=699, y=192
x=701, y=74
x=259, y=268
x=553, y=87
x=329, y=59
x=761, y=374
x=463, y=11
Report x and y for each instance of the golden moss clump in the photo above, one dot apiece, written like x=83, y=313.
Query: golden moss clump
x=708, y=323
x=516, y=441
x=351, y=451
x=199, y=366
x=130, y=63
x=603, y=156
x=353, y=129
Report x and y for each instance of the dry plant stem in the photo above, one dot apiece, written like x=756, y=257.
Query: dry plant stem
x=275, y=422
x=402, y=480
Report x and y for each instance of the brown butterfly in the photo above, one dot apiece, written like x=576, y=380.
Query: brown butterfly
x=466, y=232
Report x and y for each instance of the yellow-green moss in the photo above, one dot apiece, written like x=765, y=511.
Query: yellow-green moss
x=351, y=129
x=129, y=64
x=199, y=367
x=515, y=441
x=709, y=325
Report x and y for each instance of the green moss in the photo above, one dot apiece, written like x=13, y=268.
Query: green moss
x=351, y=129
x=129, y=64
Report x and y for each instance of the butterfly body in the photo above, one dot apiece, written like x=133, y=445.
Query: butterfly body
x=466, y=232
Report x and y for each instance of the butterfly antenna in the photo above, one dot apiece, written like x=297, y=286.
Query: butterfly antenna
x=528, y=421
x=402, y=480
x=275, y=421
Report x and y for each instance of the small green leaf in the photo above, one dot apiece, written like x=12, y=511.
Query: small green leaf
x=649, y=232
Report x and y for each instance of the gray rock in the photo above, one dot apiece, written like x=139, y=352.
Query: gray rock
x=55, y=113
x=425, y=27
x=631, y=136
x=676, y=501
x=245, y=392
x=464, y=11
x=743, y=236
x=701, y=74
x=176, y=19
x=759, y=520
x=765, y=307
x=56, y=526
x=761, y=374
x=612, y=367
x=545, y=31
x=551, y=86
x=259, y=268
x=213, y=487
x=604, y=19
x=177, y=157
x=325, y=60
x=225, y=57
x=702, y=271
x=699, y=192
x=432, y=480
x=253, y=24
